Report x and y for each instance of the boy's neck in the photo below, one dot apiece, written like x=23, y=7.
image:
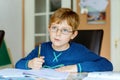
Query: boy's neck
x=61, y=48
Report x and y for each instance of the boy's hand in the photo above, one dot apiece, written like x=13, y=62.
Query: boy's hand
x=70, y=68
x=36, y=63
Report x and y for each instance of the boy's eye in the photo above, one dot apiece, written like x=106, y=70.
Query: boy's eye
x=54, y=28
x=65, y=30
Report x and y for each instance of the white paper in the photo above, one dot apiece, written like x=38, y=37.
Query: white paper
x=48, y=74
x=91, y=78
x=10, y=72
x=103, y=76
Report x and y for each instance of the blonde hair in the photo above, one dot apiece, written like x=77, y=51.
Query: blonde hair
x=67, y=14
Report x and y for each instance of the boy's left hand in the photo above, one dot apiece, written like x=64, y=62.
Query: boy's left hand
x=70, y=68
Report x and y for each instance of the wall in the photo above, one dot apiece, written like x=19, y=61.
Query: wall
x=11, y=22
x=115, y=34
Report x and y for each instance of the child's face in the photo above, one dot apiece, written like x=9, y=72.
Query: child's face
x=61, y=34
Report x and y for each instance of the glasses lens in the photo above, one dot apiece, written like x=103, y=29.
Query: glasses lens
x=63, y=31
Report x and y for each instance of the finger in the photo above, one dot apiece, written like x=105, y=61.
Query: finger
x=41, y=60
x=42, y=57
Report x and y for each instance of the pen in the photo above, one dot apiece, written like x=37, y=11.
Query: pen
x=39, y=50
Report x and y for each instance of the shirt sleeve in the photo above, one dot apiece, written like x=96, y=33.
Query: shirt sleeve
x=23, y=63
x=91, y=61
x=101, y=64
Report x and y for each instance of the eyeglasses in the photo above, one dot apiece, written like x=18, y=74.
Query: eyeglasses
x=63, y=31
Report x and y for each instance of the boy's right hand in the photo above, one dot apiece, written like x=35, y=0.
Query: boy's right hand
x=36, y=63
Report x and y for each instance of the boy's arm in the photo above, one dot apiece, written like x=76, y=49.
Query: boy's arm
x=101, y=64
x=23, y=63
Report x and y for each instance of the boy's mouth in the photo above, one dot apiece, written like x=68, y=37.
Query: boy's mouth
x=57, y=39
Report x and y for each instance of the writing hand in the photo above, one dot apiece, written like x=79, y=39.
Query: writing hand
x=36, y=63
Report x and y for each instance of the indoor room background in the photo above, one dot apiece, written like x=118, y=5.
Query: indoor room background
x=13, y=22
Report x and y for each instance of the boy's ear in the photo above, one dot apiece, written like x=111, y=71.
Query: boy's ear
x=74, y=34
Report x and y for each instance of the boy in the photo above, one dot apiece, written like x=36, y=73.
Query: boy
x=61, y=54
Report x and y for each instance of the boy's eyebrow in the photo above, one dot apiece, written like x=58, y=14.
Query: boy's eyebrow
x=57, y=24
x=65, y=27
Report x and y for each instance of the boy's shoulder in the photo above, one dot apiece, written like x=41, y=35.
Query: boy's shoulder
x=77, y=45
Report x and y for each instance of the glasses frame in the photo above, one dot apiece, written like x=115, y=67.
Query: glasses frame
x=63, y=31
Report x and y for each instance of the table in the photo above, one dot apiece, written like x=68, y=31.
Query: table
x=77, y=76
x=72, y=76
x=50, y=74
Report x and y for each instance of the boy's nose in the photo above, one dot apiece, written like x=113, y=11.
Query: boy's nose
x=58, y=32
